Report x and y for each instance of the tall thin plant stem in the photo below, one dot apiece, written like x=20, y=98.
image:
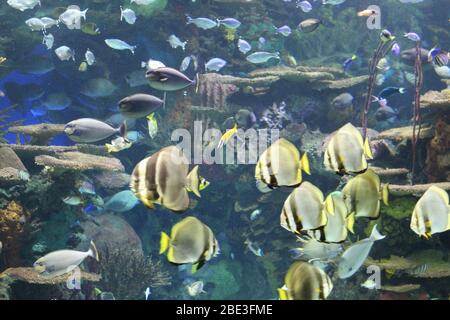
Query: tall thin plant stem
x=416, y=108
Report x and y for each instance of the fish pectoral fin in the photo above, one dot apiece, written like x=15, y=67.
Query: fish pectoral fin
x=385, y=194
x=282, y=294
x=164, y=242
x=367, y=149
x=305, y=164
x=351, y=222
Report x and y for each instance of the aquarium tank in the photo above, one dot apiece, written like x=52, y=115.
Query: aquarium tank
x=224, y=150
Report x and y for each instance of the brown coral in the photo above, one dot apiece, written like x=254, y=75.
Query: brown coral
x=438, y=152
x=214, y=92
x=12, y=232
x=29, y=275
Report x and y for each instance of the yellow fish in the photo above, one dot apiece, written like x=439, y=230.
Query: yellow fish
x=227, y=136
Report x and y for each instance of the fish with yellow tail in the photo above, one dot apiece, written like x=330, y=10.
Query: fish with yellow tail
x=363, y=195
x=280, y=165
x=164, y=179
x=152, y=125
x=431, y=214
x=118, y=145
x=227, y=136
x=339, y=221
x=190, y=242
x=304, y=209
x=347, y=152
x=303, y=281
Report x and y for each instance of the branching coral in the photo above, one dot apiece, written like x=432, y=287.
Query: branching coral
x=213, y=91
x=12, y=232
x=127, y=273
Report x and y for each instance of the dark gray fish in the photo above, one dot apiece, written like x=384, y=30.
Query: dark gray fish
x=343, y=101
x=168, y=79
x=139, y=105
x=409, y=56
x=309, y=25
x=88, y=130
x=18, y=93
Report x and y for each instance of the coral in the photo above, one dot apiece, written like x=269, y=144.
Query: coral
x=31, y=151
x=29, y=275
x=388, y=172
x=110, y=231
x=111, y=180
x=402, y=288
x=213, y=91
x=437, y=162
x=13, y=232
x=12, y=170
x=436, y=100
x=399, y=134
x=436, y=265
x=275, y=116
x=40, y=134
x=4, y=123
x=127, y=273
x=293, y=132
x=416, y=189
x=77, y=161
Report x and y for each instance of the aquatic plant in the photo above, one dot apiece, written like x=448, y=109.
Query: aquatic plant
x=127, y=273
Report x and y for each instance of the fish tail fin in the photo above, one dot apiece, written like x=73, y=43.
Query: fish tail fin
x=123, y=129
x=121, y=13
x=93, y=252
x=305, y=163
x=83, y=13
x=367, y=149
x=164, y=243
x=402, y=90
x=385, y=194
x=109, y=147
x=143, y=64
x=218, y=23
x=193, y=182
x=189, y=19
x=354, y=57
x=282, y=294
x=351, y=222
x=376, y=235
x=133, y=48
x=183, y=45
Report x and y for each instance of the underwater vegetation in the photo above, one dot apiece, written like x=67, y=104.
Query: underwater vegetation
x=226, y=149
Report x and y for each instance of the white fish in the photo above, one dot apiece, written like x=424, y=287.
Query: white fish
x=119, y=45
x=313, y=249
x=72, y=200
x=48, y=40
x=255, y=214
x=244, y=46
x=118, y=144
x=185, y=63
x=147, y=293
x=49, y=22
x=72, y=17
x=353, y=258
x=175, y=42
x=152, y=64
x=64, y=53
x=142, y=2
x=23, y=5
x=203, y=23
x=443, y=72
x=90, y=57
x=369, y=284
x=35, y=24
x=128, y=15
x=215, y=64
x=195, y=288
x=256, y=250
x=262, y=57
x=152, y=125
x=333, y=2
x=63, y=261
